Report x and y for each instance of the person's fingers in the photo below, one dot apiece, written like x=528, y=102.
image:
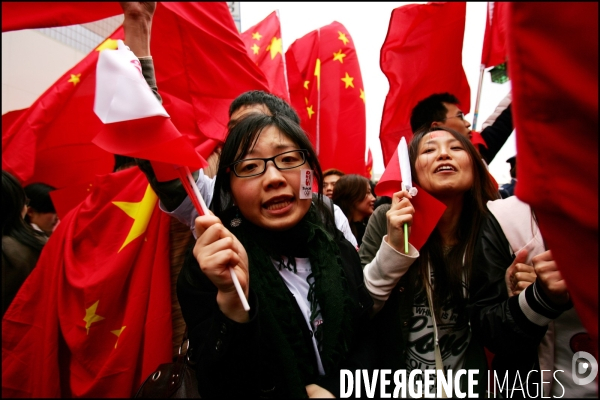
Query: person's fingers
x=545, y=256
x=202, y=223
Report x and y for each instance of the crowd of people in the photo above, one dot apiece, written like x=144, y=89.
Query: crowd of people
x=328, y=280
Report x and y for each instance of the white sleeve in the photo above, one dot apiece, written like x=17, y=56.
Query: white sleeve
x=186, y=213
x=383, y=273
x=341, y=222
x=503, y=105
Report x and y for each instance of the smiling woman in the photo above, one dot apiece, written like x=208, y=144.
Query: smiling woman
x=424, y=294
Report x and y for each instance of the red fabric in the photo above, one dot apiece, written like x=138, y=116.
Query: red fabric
x=494, y=42
x=66, y=199
x=264, y=47
x=155, y=139
x=52, y=140
x=553, y=64
x=421, y=55
x=51, y=345
x=30, y=15
x=201, y=67
x=337, y=128
x=428, y=210
x=369, y=165
x=18, y=163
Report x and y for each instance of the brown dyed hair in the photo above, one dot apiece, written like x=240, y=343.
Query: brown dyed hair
x=348, y=191
x=448, y=268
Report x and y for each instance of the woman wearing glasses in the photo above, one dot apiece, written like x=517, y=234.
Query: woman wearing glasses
x=302, y=279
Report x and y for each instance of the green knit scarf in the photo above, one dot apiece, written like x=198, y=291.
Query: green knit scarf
x=328, y=294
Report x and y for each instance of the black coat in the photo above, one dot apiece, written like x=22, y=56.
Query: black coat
x=230, y=359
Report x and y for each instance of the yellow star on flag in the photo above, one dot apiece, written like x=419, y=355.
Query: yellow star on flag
x=118, y=334
x=343, y=38
x=75, y=79
x=255, y=48
x=348, y=80
x=306, y=84
x=339, y=56
x=310, y=112
x=318, y=73
x=140, y=212
x=256, y=36
x=362, y=96
x=274, y=47
x=107, y=44
x=91, y=316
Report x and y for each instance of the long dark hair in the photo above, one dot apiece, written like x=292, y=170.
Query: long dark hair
x=349, y=190
x=13, y=224
x=448, y=267
x=242, y=137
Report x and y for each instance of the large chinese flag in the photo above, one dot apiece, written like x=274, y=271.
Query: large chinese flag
x=94, y=317
x=32, y=14
x=421, y=55
x=51, y=141
x=264, y=47
x=553, y=64
x=494, y=42
x=326, y=89
x=201, y=67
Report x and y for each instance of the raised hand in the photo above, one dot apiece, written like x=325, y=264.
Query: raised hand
x=138, y=9
x=400, y=213
x=217, y=250
x=550, y=278
x=519, y=275
x=138, y=25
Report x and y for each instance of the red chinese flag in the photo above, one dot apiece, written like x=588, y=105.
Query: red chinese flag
x=29, y=15
x=428, y=210
x=201, y=67
x=94, y=317
x=51, y=141
x=303, y=70
x=326, y=88
x=494, y=42
x=421, y=55
x=264, y=47
x=553, y=64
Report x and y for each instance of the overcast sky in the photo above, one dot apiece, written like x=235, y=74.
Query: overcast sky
x=368, y=23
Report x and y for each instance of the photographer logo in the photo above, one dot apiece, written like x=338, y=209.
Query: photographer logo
x=584, y=368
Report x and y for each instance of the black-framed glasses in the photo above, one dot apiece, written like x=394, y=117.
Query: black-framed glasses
x=257, y=166
x=460, y=116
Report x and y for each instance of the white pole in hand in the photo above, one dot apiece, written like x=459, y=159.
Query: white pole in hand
x=234, y=277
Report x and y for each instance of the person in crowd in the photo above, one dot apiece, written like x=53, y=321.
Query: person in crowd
x=521, y=305
x=41, y=213
x=308, y=301
x=508, y=189
x=442, y=109
x=173, y=198
x=21, y=244
x=353, y=195
x=421, y=298
x=330, y=177
x=307, y=287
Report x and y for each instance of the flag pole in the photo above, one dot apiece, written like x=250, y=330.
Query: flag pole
x=481, y=71
x=193, y=193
